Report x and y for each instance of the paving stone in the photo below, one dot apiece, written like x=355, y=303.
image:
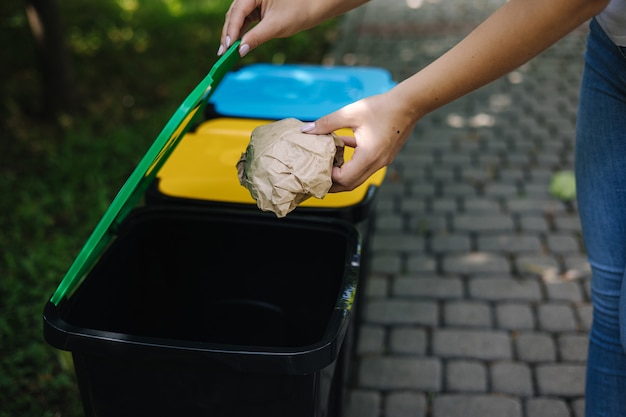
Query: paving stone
x=467, y=314
x=534, y=205
x=388, y=223
x=504, y=289
x=556, y=318
x=458, y=190
x=567, y=223
x=376, y=286
x=422, y=223
x=397, y=243
x=513, y=175
x=452, y=243
x=471, y=344
x=577, y=264
x=466, y=376
x=533, y=223
x=386, y=263
x=512, y=316
x=364, y=403
x=444, y=205
x=421, y=264
x=389, y=311
x=422, y=190
x=585, y=315
x=412, y=341
x=394, y=373
x=564, y=291
x=535, y=347
x=501, y=190
x=563, y=243
x=477, y=205
x=480, y=405
x=561, y=380
x=475, y=262
x=536, y=265
x=412, y=205
x=514, y=244
x=546, y=407
x=371, y=339
x=513, y=378
x=574, y=347
x=476, y=223
x=578, y=407
x=428, y=287
x=405, y=404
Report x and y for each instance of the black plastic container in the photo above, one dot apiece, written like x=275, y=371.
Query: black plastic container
x=215, y=313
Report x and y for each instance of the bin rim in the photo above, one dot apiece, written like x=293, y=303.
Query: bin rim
x=66, y=335
x=143, y=174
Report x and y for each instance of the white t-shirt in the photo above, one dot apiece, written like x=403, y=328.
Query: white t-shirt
x=613, y=21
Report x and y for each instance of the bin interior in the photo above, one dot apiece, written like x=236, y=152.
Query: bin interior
x=203, y=277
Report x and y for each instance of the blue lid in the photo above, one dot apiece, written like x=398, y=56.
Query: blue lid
x=305, y=92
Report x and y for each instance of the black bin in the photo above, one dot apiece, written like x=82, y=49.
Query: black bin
x=214, y=313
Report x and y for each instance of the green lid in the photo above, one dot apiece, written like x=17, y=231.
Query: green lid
x=139, y=180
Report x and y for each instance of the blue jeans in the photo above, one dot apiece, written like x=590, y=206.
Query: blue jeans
x=601, y=189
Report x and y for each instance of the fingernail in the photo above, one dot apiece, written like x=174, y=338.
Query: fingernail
x=227, y=41
x=244, y=49
x=220, y=51
x=307, y=127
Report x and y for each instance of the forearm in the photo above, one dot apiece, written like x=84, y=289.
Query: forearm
x=327, y=9
x=517, y=32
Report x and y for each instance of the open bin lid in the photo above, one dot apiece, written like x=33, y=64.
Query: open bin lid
x=139, y=180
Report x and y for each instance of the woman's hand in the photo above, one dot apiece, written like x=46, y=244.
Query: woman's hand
x=276, y=19
x=381, y=126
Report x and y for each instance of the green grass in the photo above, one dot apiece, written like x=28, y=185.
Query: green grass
x=134, y=62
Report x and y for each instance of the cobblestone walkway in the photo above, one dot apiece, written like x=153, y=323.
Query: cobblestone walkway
x=477, y=303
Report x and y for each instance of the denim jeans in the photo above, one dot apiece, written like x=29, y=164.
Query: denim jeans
x=601, y=189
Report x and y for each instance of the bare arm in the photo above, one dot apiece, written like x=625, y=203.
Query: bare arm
x=515, y=33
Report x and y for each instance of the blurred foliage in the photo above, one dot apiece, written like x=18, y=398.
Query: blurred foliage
x=134, y=61
x=563, y=186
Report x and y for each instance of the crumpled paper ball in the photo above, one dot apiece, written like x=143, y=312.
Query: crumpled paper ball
x=282, y=167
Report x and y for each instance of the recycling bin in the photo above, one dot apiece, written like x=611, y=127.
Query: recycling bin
x=261, y=93
x=174, y=310
x=212, y=313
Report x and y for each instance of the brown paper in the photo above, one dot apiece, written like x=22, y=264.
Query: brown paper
x=282, y=167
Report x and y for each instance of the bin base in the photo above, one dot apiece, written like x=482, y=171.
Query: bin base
x=161, y=388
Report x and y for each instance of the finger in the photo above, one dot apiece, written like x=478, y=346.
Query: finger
x=329, y=123
x=259, y=34
x=238, y=17
x=349, y=141
x=352, y=173
x=347, y=178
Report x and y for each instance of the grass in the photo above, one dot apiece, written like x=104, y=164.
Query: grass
x=134, y=62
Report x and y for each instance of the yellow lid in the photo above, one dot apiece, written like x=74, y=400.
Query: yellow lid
x=203, y=166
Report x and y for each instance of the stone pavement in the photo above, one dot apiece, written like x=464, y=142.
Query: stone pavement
x=477, y=303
